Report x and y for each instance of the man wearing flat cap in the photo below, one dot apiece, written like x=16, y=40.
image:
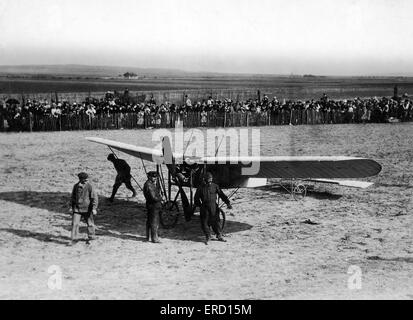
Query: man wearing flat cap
x=152, y=194
x=123, y=175
x=84, y=205
x=206, y=199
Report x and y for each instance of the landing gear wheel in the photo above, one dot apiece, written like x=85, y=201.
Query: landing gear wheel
x=299, y=191
x=169, y=214
x=222, y=219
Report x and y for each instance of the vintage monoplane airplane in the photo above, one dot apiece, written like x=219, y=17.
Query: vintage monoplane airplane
x=229, y=172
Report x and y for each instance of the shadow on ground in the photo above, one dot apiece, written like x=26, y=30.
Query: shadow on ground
x=123, y=219
x=395, y=259
x=44, y=237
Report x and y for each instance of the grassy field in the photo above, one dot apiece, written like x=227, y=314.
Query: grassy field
x=271, y=252
x=282, y=87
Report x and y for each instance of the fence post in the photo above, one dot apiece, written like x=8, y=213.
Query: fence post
x=30, y=121
x=1, y=121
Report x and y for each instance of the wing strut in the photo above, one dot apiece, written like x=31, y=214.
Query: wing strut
x=143, y=165
x=162, y=179
x=230, y=196
x=216, y=151
x=187, y=145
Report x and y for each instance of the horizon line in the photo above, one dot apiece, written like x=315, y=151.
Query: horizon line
x=389, y=74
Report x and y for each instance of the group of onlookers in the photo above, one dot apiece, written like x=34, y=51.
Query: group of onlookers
x=356, y=110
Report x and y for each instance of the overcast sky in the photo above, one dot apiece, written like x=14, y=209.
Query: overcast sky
x=344, y=37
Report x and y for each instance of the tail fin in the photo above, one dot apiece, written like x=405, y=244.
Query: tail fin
x=168, y=155
x=167, y=151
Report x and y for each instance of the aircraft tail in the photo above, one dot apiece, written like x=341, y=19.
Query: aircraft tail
x=167, y=151
x=168, y=155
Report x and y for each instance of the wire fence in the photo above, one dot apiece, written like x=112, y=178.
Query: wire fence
x=34, y=122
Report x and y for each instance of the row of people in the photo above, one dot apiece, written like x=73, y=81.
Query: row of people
x=401, y=108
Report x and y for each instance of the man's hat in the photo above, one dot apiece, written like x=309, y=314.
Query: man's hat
x=111, y=156
x=152, y=174
x=83, y=176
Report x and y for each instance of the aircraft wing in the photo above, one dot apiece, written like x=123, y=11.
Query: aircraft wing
x=139, y=152
x=144, y=153
x=302, y=167
x=284, y=167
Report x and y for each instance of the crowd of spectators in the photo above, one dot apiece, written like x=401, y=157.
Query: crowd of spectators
x=355, y=110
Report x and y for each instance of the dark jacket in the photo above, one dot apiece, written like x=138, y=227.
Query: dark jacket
x=151, y=193
x=84, y=198
x=121, y=166
x=206, y=195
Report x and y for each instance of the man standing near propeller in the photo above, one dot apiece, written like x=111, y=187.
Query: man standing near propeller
x=206, y=200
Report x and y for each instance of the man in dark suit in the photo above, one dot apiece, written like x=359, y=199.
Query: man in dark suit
x=206, y=200
x=151, y=191
x=123, y=175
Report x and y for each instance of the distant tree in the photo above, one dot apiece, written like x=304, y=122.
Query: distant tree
x=130, y=75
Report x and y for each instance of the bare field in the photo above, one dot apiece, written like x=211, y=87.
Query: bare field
x=283, y=87
x=270, y=253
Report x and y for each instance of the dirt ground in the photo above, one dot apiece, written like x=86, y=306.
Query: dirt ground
x=270, y=252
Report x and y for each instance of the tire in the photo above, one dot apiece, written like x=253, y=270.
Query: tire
x=222, y=219
x=299, y=191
